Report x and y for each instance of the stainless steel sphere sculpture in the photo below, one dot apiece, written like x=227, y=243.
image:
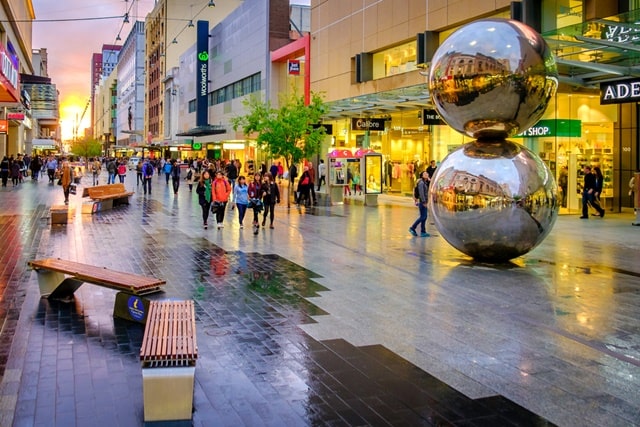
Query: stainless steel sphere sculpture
x=493, y=199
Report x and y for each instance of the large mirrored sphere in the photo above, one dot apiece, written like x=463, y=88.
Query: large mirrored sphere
x=492, y=78
x=493, y=200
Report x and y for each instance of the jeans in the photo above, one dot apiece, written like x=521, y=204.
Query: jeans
x=242, y=209
x=112, y=178
x=121, y=178
x=146, y=184
x=590, y=199
x=320, y=181
x=96, y=179
x=206, y=208
x=176, y=184
x=139, y=178
x=269, y=210
x=424, y=212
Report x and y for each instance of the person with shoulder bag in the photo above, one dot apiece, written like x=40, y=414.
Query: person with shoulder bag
x=205, y=195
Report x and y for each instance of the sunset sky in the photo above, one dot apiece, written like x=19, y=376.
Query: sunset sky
x=70, y=45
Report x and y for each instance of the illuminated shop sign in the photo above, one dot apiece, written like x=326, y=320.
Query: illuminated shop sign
x=367, y=124
x=553, y=127
x=9, y=77
x=202, y=73
x=294, y=67
x=619, y=92
x=431, y=117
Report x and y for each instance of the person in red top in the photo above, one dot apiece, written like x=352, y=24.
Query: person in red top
x=220, y=190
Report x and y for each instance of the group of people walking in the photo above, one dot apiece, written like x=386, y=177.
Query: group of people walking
x=260, y=195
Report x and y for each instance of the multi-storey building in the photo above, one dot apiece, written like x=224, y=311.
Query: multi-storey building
x=371, y=59
x=130, y=107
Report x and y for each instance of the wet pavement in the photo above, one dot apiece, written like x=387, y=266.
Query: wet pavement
x=336, y=317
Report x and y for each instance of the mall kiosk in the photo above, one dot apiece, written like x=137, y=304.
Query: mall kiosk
x=339, y=162
x=371, y=175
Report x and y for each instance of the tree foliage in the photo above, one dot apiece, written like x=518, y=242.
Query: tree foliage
x=86, y=148
x=287, y=131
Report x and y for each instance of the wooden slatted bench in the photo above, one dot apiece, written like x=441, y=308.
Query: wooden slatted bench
x=59, y=214
x=168, y=355
x=105, y=197
x=59, y=279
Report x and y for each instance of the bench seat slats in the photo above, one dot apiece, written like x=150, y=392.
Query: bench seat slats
x=108, y=191
x=169, y=335
x=118, y=280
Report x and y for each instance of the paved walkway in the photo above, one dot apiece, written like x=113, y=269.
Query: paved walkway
x=351, y=321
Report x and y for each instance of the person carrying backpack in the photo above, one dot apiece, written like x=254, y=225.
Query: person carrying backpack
x=147, y=174
x=421, y=196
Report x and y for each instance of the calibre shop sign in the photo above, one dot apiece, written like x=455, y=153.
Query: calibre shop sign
x=367, y=124
x=620, y=91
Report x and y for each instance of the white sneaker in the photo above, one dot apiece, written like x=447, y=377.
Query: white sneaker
x=241, y=226
x=219, y=226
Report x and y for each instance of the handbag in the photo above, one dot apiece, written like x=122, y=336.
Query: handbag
x=59, y=181
x=215, y=206
x=72, y=188
x=255, y=204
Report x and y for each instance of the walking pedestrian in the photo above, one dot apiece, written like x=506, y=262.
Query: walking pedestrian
x=270, y=198
x=241, y=198
x=35, y=165
x=312, y=180
x=232, y=173
x=66, y=177
x=147, y=174
x=4, y=170
x=167, y=170
x=52, y=166
x=190, y=177
x=112, y=169
x=322, y=173
x=175, y=175
x=96, y=167
x=122, y=171
x=303, y=188
x=422, y=202
x=220, y=195
x=255, y=194
x=15, y=172
x=588, y=194
x=203, y=189
x=139, y=178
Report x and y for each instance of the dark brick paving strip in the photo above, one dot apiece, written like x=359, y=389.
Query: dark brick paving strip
x=255, y=367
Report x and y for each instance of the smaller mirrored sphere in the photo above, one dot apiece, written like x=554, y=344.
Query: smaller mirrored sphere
x=492, y=78
x=493, y=200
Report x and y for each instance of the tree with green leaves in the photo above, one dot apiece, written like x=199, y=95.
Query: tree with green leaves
x=290, y=131
x=86, y=148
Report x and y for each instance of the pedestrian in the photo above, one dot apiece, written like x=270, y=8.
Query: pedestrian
x=175, y=175
x=241, y=198
x=322, y=173
x=431, y=169
x=303, y=188
x=15, y=172
x=632, y=189
x=220, y=196
x=280, y=171
x=312, y=180
x=147, y=174
x=293, y=174
x=66, y=178
x=167, y=170
x=421, y=201
x=96, y=167
x=139, y=178
x=203, y=189
x=4, y=170
x=122, y=171
x=588, y=194
x=563, y=182
x=232, y=173
x=112, y=169
x=270, y=198
x=273, y=170
x=255, y=193
x=52, y=167
x=347, y=188
x=190, y=177
x=35, y=165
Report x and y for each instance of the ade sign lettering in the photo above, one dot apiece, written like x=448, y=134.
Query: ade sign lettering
x=620, y=91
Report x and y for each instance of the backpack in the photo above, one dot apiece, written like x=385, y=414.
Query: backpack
x=416, y=192
x=148, y=169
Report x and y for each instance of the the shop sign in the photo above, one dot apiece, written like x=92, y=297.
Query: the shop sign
x=294, y=67
x=553, y=127
x=619, y=92
x=367, y=124
x=9, y=77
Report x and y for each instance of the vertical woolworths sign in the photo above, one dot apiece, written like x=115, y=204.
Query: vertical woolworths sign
x=202, y=73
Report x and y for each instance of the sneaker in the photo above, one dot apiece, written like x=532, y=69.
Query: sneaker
x=241, y=226
x=205, y=225
x=271, y=227
x=219, y=226
x=264, y=222
x=424, y=234
x=584, y=217
x=413, y=232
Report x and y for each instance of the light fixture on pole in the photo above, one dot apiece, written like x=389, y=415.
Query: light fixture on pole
x=174, y=41
x=211, y=4
x=191, y=23
x=126, y=18
x=118, y=38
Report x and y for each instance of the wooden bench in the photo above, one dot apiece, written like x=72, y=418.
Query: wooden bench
x=59, y=279
x=168, y=356
x=105, y=197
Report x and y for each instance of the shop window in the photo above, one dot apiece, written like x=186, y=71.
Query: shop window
x=395, y=60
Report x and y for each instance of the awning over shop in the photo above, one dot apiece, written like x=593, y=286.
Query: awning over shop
x=43, y=144
x=204, y=131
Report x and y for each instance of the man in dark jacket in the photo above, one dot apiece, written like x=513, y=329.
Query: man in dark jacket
x=588, y=194
x=422, y=203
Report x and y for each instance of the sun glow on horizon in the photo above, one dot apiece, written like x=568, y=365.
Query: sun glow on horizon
x=71, y=109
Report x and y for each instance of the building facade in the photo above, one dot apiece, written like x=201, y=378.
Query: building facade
x=371, y=62
x=130, y=106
